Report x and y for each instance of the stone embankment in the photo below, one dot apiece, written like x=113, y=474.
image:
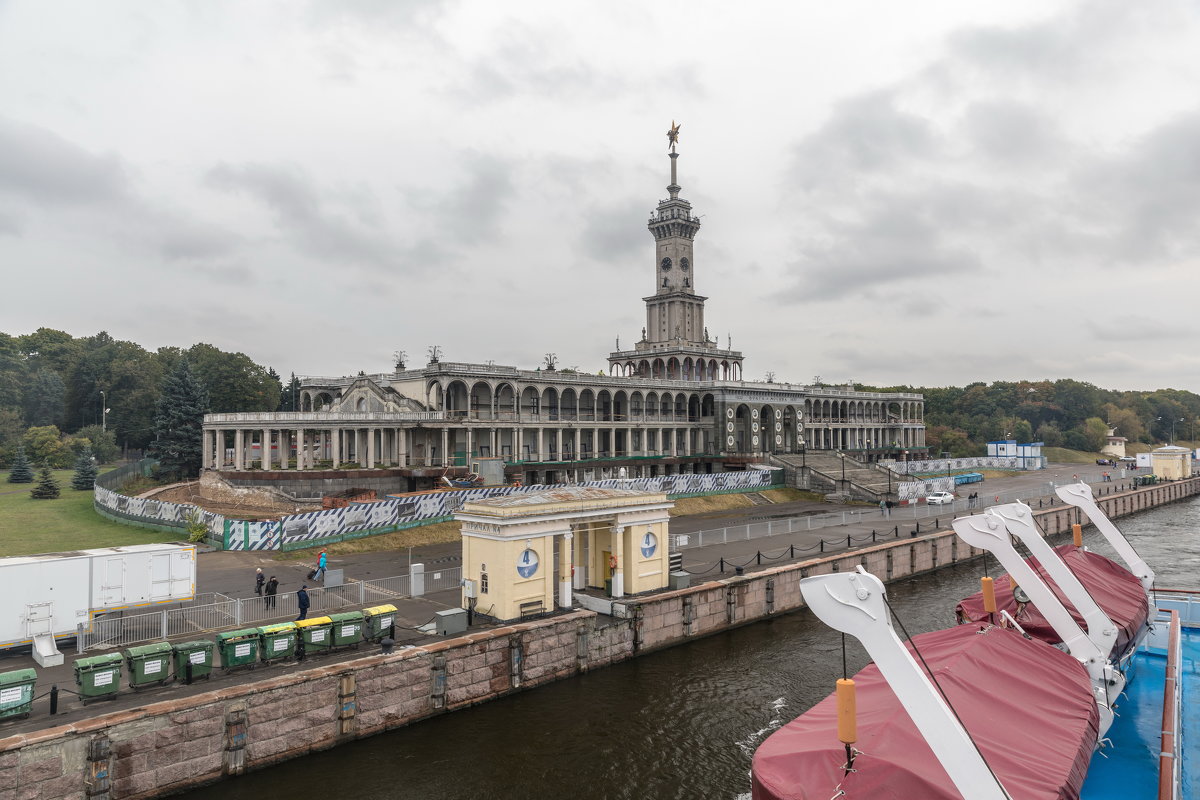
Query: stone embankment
x=170, y=746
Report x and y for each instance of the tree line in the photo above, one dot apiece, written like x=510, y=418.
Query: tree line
x=60, y=393
x=1061, y=413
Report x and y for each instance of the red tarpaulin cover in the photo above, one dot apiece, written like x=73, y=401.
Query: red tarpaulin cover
x=1028, y=707
x=1114, y=588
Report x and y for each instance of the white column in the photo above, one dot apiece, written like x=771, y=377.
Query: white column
x=445, y=447
x=618, y=578
x=403, y=445
x=206, y=449
x=370, y=448
x=299, y=448
x=565, y=570
x=239, y=441
x=265, y=448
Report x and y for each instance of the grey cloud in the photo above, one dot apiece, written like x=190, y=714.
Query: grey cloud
x=891, y=244
x=10, y=224
x=1013, y=133
x=39, y=165
x=302, y=215
x=230, y=274
x=866, y=134
x=608, y=228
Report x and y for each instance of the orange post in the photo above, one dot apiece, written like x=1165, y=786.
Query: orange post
x=847, y=711
x=989, y=594
x=1077, y=534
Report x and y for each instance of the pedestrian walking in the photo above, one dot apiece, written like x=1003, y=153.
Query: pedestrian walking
x=883, y=508
x=259, y=580
x=271, y=588
x=302, y=602
x=319, y=572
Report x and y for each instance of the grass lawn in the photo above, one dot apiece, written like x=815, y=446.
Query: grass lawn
x=29, y=526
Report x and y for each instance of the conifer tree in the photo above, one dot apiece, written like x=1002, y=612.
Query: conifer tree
x=47, y=487
x=22, y=472
x=84, y=478
x=179, y=421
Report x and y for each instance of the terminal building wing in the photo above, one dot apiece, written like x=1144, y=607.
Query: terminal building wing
x=674, y=403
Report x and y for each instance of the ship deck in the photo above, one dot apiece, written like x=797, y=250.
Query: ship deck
x=1128, y=768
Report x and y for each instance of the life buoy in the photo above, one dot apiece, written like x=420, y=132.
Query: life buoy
x=612, y=562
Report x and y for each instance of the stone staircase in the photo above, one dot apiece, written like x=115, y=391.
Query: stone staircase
x=757, y=499
x=825, y=470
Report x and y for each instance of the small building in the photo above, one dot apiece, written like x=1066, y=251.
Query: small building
x=1114, y=445
x=1030, y=453
x=518, y=548
x=1171, y=463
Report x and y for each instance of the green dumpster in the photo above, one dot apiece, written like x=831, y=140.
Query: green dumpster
x=378, y=621
x=238, y=648
x=278, y=641
x=148, y=664
x=316, y=633
x=98, y=676
x=198, y=655
x=16, y=693
x=347, y=628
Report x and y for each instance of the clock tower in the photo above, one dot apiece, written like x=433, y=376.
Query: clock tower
x=675, y=343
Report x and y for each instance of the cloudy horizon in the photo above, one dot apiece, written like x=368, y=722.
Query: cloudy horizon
x=927, y=195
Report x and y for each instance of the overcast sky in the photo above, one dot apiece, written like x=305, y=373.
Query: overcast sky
x=929, y=193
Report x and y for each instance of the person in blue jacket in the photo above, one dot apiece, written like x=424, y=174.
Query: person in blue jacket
x=319, y=572
x=302, y=602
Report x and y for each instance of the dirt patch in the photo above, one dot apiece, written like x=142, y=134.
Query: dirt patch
x=251, y=506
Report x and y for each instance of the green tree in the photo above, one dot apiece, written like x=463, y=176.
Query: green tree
x=44, y=398
x=45, y=445
x=178, y=422
x=84, y=478
x=12, y=428
x=233, y=380
x=1095, y=432
x=13, y=371
x=103, y=443
x=21, y=472
x=289, y=398
x=47, y=487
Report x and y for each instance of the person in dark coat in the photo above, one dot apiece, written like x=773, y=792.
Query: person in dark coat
x=259, y=580
x=271, y=588
x=302, y=602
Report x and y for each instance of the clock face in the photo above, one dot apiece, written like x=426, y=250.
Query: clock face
x=666, y=264
x=683, y=264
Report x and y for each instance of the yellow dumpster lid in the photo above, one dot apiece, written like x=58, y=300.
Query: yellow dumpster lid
x=384, y=609
x=308, y=623
x=280, y=627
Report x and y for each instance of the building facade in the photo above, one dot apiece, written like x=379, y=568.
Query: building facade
x=676, y=403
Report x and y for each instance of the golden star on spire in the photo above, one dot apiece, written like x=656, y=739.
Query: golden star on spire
x=673, y=135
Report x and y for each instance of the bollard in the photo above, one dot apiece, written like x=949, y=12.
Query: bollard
x=187, y=672
x=822, y=541
x=897, y=531
x=758, y=555
x=722, y=564
x=386, y=645
x=872, y=534
x=791, y=551
x=847, y=540
x=54, y=699
x=918, y=527
x=739, y=571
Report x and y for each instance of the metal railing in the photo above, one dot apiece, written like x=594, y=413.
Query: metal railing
x=120, y=629
x=866, y=515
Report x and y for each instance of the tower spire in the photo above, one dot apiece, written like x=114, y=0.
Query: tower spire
x=673, y=138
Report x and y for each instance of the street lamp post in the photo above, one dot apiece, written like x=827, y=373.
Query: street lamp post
x=103, y=412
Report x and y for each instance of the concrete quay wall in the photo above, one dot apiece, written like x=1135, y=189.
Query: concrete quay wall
x=173, y=745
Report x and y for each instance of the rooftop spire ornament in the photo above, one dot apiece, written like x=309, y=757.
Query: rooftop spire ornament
x=673, y=135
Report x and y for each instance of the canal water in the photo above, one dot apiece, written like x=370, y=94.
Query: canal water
x=681, y=723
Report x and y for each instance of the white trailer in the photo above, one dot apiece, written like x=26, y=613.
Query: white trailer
x=47, y=597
